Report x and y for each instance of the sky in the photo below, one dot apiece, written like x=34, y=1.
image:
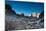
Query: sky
x=26, y=7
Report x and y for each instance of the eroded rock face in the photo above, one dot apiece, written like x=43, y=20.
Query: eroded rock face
x=24, y=23
x=16, y=22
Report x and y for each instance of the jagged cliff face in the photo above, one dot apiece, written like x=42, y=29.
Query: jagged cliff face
x=8, y=10
x=16, y=21
x=10, y=14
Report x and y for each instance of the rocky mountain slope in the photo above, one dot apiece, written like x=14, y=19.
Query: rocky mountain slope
x=15, y=21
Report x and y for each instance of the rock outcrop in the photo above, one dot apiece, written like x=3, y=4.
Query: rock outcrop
x=20, y=22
